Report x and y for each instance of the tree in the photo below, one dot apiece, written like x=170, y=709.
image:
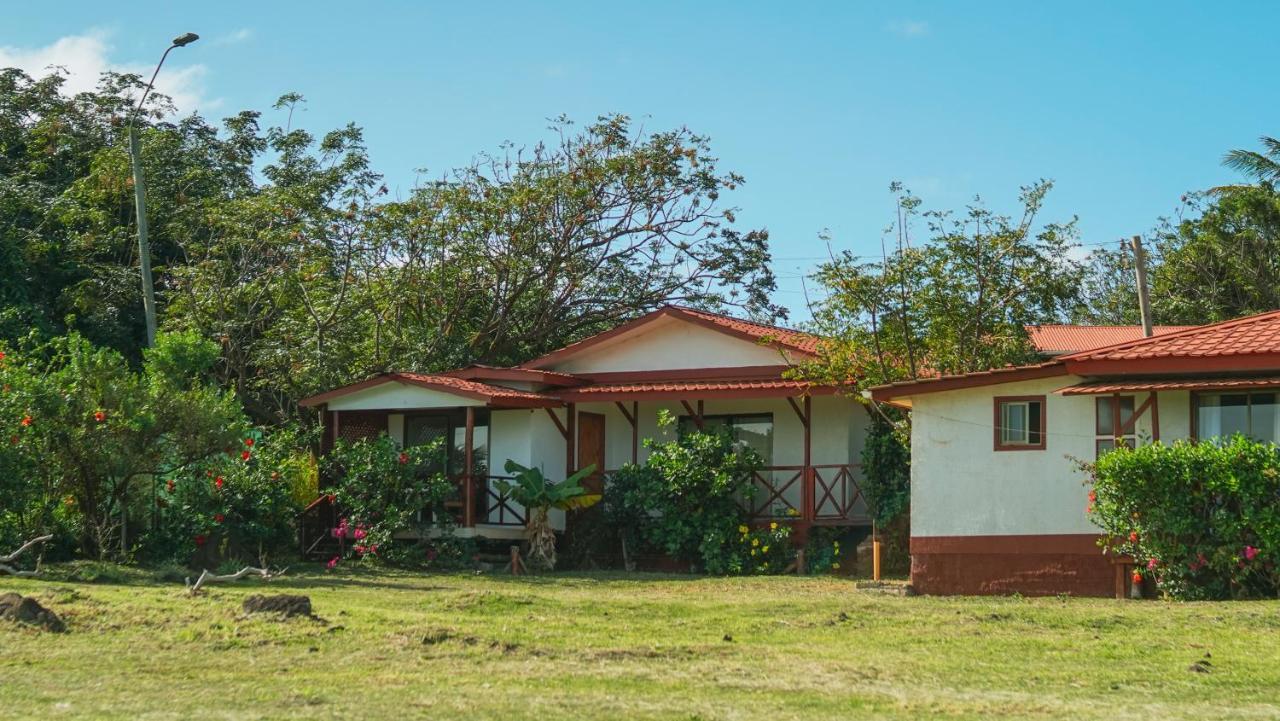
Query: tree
x=88, y=430
x=1263, y=167
x=956, y=303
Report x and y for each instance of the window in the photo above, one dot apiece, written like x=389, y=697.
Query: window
x=1106, y=431
x=1220, y=415
x=1020, y=423
x=420, y=429
x=754, y=431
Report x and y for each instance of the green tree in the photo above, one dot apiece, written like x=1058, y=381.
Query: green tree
x=1263, y=167
x=94, y=434
x=956, y=303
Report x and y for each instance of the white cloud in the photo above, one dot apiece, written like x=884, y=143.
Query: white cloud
x=909, y=28
x=233, y=38
x=85, y=57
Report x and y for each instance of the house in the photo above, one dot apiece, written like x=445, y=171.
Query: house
x=595, y=401
x=998, y=499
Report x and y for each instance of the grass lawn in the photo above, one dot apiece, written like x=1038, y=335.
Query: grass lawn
x=635, y=646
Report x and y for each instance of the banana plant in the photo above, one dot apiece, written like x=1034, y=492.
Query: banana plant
x=533, y=490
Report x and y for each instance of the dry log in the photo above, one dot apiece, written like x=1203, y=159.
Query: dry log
x=6, y=560
x=206, y=577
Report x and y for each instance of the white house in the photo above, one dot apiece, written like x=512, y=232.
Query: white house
x=998, y=501
x=594, y=402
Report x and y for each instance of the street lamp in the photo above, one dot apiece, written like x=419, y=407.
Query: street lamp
x=140, y=196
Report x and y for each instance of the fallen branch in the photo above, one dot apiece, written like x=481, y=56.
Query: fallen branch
x=205, y=577
x=6, y=560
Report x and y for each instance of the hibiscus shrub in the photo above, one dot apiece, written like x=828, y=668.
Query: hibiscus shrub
x=1201, y=519
x=238, y=505
x=384, y=492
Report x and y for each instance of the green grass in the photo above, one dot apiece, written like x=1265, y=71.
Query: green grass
x=409, y=646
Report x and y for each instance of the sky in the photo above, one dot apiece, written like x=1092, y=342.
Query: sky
x=1125, y=106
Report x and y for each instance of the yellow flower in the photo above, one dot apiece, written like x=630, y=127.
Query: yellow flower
x=753, y=551
x=773, y=526
x=836, y=552
x=792, y=512
x=836, y=544
x=835, y=567
x=765, y=549
x=755, y=541
x=742, y=530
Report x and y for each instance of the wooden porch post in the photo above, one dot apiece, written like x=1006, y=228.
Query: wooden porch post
x=468, y=480
x=633, y=417
x=809, y=511
x=1155, y=417
x=635, y=432
x=570, y=437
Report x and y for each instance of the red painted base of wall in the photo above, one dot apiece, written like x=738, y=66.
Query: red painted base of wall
x=994, y=565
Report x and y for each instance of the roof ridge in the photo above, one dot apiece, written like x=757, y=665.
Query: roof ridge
x=736, y=319
x=1167, y=337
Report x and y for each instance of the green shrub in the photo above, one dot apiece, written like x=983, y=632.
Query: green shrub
x=384, y=491
x=1201, y=519
x=886, y=465
x=687, y=499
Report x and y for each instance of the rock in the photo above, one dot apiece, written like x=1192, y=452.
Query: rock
x=26, y=610
x=284, y=604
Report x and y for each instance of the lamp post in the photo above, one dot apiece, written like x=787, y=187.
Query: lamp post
x=140, y=196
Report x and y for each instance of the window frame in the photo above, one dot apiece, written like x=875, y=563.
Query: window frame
x=1117, y=439
x=729, y=418
x=1247, y=391
x=997, y=427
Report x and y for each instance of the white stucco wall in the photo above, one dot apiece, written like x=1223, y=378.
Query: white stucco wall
x=396, y=395
x=961, y=486
x=667, y=344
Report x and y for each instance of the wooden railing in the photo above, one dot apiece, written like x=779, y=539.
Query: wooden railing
x=823, y=494
x=479, y=494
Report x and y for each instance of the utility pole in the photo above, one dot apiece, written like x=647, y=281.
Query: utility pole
x=140, y=196
x=1144, y=297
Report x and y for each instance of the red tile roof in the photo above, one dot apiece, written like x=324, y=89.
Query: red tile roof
x=786, y=337
x=1007, y=374
x=693, y=389
x=1189, y=384
x=1254, y=335
x=1055, y=339
x=492, y=395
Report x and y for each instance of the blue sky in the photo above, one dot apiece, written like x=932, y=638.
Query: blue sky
x=820, y=105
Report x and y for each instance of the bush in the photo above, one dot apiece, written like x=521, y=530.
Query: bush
x=383, y=491
x=1201, y=519
x=239, y=505
x=687, y=499
x=886, y=465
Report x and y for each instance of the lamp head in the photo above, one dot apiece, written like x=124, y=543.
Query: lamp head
x=185, y=39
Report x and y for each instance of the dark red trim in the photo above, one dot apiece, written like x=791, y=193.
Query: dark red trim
x=1044, y=416
x=586, y=395
x=729, y=373
x=556, y=420
x=492, y=400
x=969, y=380
x=1175, y=364
x=1082, y=543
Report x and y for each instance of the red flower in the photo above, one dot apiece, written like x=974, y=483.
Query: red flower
x=360, y=550
x=26, y=421
x=404, y=458
x=100, y=416
x=1093, y=496
x=169, y=485
x=244, y=455
x=332, y=562
x=1133, y=536
x=209, y=473
x=248, y=442
x=219, y=518
x=13, y=440
x=217, y=483
x=199, y=540
x=1, y=355
x=1137, y=577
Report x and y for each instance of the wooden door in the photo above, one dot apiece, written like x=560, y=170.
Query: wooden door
x=591, y=449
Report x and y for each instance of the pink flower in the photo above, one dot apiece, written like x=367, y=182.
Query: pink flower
x=404, y=458
x=1151, y=564
x=360, y=550
x=332, y=562
x=1250, y=552
x=359, y=534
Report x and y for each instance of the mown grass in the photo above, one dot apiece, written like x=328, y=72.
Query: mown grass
x=399, y=645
